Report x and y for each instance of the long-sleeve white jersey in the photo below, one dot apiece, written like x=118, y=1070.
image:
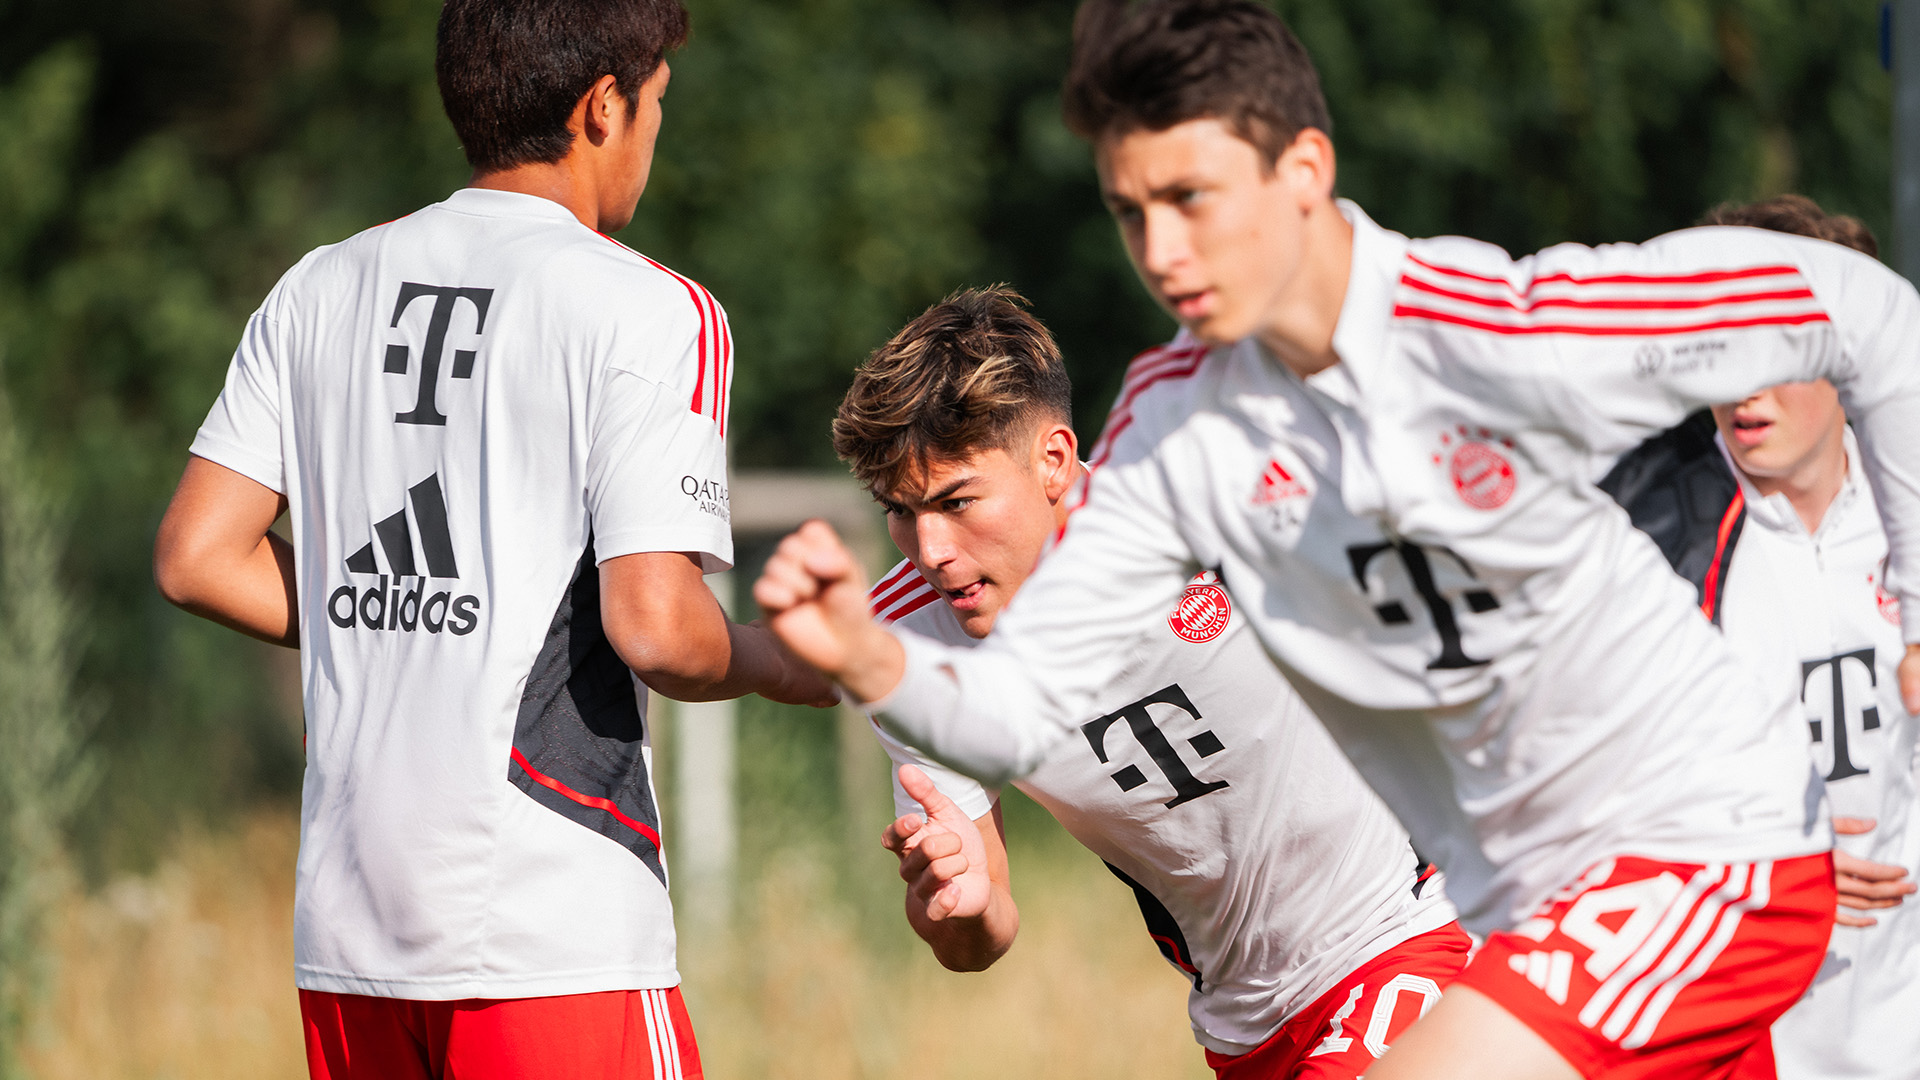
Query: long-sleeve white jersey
x=1265, y=869
x=1809, y=614
x=1414, y=535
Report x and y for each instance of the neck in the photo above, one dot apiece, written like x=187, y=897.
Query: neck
x=1811, y=486
x=563, y=182
x=1299, y=328
x=1064, y=505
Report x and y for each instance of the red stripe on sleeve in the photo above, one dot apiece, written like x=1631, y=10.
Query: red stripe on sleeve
x=1408, y=311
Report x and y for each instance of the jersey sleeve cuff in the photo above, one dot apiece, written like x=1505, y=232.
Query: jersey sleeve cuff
x=255, y=466
x=713, y=548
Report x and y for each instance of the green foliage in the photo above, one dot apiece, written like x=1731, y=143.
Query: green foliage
x=43, y=773
x=828, y=167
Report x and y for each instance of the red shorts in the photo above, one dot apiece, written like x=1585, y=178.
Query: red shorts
x=1675, y=970
x=1340, y=1034
x=619, y=1035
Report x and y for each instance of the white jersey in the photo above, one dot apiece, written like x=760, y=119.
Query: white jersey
x=467, y=409
x=1265, y=869
x=1414, y=535
x=1809, y=615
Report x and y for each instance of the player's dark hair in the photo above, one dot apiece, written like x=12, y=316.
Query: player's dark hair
x=511, y=71
x=974, y=372
x=1800, y=215
x=1150, y=65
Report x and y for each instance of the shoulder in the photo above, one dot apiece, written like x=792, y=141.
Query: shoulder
x=899, y=593
x=636, y=286
x=1156, y=377
x=1687, y=281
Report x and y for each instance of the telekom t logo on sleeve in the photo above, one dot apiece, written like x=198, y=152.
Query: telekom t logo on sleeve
x=399, y=357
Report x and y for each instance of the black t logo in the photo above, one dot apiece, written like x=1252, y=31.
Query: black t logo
x=1420, y=571
x=1843, y=765
x=445, y=297
x=1186, y=786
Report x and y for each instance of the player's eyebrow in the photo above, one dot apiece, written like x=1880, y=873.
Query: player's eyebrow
x=947, y=492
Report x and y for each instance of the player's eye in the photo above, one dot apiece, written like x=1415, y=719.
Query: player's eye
x=954, y=506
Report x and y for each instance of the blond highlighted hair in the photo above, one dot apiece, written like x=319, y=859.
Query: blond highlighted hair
x=973, y=372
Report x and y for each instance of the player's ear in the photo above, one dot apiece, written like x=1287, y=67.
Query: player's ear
x=600, y=110
x=1307, y=167
x=1058, y=453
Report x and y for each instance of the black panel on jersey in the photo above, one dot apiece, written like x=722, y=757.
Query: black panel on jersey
x=1676, y=487
x=579, y=728
x=1161, y=927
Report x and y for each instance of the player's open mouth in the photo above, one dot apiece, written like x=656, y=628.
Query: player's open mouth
x=1193, y=305
x=1750, y=431
x=966, y=597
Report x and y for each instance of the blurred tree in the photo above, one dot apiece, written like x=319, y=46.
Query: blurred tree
x=828, y=167
x=43, y=773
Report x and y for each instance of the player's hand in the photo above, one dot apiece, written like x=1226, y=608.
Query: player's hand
x=815, y=598
x=1910, y=680
x=942, y=857
x=1863, y=885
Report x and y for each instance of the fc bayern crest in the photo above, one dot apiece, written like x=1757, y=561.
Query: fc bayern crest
x=1202, y=613
x=1888, y=603
x=1481, y=474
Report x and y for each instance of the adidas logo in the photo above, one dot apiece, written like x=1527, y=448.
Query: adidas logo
x=1276, y=484
x=385, y=606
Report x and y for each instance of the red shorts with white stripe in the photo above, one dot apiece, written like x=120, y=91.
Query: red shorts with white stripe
x=1339, y=1035
x=618, y=1035
x=1644, y=968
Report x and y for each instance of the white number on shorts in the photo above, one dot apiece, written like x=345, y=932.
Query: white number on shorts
x=1646, y=898
x=1389, y=999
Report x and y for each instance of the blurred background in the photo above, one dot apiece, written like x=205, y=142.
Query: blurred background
x=828, y=167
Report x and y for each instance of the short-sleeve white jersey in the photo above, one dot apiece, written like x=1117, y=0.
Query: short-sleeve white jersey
x=1264, y=867
x=1505, y=658
x=1810, y=614
x=467, y=410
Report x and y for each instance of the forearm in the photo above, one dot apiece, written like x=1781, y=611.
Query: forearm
x=730, y=661
x=968, y=944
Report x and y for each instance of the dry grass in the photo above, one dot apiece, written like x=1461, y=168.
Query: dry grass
x=187, y=974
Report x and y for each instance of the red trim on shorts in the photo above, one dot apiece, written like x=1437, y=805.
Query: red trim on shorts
x=593, y=801
x=1335, y=1036
x=1711, y=587
x=1645, y=969
x=613, y=1035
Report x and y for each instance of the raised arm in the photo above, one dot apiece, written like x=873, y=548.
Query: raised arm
x=994, y=711
x=666, y=625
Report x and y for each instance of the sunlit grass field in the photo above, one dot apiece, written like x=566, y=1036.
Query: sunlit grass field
x=187, y=972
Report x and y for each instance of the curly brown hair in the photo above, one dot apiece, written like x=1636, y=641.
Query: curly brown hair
x=973, y=372
x=1799, y=215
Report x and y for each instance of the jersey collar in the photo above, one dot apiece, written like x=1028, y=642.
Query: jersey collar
x=489, y=202
x=1359, y=337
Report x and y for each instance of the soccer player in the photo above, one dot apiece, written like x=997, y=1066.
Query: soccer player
x=500, y=437
x=1763, y=506
x=1267, y=872
x=1631, y=819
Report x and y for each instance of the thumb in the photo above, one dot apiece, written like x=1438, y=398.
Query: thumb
x=1853, y=826
x=921, y=789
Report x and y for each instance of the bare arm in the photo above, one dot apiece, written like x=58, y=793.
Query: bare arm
x=666, y=625
x=216, y=558
x=959, y=889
